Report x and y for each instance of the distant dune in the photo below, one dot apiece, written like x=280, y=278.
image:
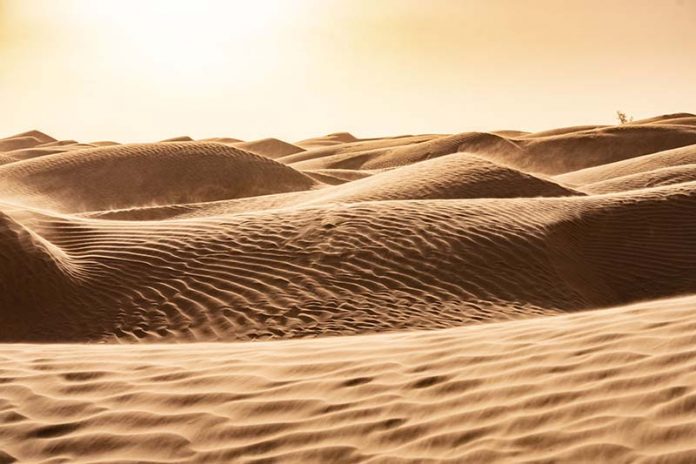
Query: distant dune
x=271, y=148
x=142, y=174
x=639, y=165
x=338, y=138
x=477, y=297
x=448, y=177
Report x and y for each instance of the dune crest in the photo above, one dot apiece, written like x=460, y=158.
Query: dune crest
x=641, y=164
x=455, y=176
x=145, y=174
x=242, y=276
x=478, y=297
x=270, y=147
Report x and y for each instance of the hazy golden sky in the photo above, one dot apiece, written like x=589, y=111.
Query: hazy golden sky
x=145, y=70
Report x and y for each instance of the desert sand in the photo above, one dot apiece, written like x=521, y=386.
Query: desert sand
x=479, y=297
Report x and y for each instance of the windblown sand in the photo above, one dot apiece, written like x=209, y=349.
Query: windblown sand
x=476, y=297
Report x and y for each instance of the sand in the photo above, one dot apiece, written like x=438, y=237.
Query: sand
x=495, y=296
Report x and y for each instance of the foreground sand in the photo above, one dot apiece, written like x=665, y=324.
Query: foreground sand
x=614, y=385
x=556, y=273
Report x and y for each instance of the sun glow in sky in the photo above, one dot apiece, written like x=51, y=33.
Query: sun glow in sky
x=146, y=69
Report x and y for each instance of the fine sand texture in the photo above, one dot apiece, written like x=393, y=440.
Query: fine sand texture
x=479, y=297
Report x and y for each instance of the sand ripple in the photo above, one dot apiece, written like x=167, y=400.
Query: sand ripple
x=615, y=385
x=559, y=310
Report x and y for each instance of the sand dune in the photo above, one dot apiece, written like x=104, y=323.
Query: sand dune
x=181, y=138
x=132, y=175
x=392, y=153
x=24, y=140
x=642, y=164
x=347, y=269
x=614, y=385
x=337, y=152
x=63, y=143
x=337, y=138
x=561, y=131
x=577, y=150
x=271, y=148
x=554, y=152
x=16, y=143
x=676, y=118
x=453, y=176
x=22, y=154
x=222, y=140
x=647, y=179
x=478, y=297
x=682, y=121
x=38, y=135
x=33, y=144
x=338, y=176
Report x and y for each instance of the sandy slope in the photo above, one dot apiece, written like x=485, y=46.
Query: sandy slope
x=615, y=385
x=653, y=178
x=25, y=140
x=546, y=153
x=639, y=165
x=365, y=267
x=271, y=148
x=459, y=175
x=338, y=138
x=555, y=271
x=450, y=176
x=145, y=174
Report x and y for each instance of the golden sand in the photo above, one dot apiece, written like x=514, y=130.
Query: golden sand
x=475, y=297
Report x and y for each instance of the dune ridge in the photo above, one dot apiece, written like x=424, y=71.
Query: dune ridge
x=458, y=175
x=641, y=180
x=479, y=297
x=450, y=176
x=642, y=164
x=270, y=147
x=551, y=152
x=142, y=174
x=340, y=268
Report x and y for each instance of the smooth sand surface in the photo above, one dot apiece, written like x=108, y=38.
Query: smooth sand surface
x=272, y=148
x=479, y=297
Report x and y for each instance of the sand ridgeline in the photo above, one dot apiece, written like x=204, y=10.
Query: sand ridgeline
x=477, y=297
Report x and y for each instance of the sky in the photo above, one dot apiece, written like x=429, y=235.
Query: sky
x=144, y=70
